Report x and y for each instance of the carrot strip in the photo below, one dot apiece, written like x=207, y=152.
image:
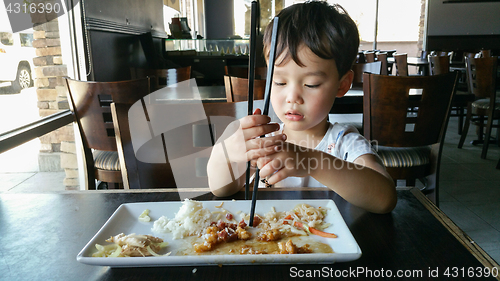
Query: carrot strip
x=289, y=217
x=322, y=233
x=298, y=225
x=315, y=231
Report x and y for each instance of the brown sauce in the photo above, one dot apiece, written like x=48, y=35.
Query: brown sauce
x=234, y=248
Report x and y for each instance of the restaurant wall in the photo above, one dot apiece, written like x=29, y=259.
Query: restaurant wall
x=472, y=25
x=113, y=29
x=219, y=19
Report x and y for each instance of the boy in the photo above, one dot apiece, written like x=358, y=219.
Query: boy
x=317, y=45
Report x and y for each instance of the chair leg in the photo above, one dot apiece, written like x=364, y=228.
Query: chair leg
x=488, y=134
x=410, y=182
x=460, y=112
x=480, y=129
x=466, y=126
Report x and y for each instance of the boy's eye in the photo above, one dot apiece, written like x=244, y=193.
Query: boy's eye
x=312, y=86
x=279, y=83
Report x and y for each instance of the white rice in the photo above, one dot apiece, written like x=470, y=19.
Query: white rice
x=191, y=220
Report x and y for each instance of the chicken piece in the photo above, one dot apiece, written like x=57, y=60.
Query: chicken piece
x=134, y=245
x=134, y=240
x=211, y=234
x=204, y=247
x=270, y=235
x=287, y=248
x=243, y=234
x=211, y=239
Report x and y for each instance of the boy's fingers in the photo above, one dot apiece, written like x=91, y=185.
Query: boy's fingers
x=255, y=132
x=277, y=176
x=254, y=120
x=269, y=169
x=257, y=143
x=257, y=112
x=262, y=152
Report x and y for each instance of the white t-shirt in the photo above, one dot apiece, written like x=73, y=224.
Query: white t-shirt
x=341, y=141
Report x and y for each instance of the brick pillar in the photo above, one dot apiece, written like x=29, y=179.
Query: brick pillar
x=421, y=29
x=57, y=151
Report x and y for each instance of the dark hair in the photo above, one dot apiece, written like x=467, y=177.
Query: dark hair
x=325, y=29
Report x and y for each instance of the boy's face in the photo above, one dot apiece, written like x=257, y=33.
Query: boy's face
x=303, y=96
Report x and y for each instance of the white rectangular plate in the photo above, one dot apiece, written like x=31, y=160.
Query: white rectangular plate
x=125, y=220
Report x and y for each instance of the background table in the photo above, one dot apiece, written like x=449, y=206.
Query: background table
x=352, y=102
x=41, y=234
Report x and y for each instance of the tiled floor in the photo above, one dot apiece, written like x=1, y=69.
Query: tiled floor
x=469, y=185
x=470, y=189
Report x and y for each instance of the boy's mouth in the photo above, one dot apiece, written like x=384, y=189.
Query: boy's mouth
x=293, y=115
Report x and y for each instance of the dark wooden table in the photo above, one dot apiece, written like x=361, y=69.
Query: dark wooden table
x=186, y=94
x=352, y=102
x=41, y=234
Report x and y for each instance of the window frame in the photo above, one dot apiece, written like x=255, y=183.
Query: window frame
x=23, y=134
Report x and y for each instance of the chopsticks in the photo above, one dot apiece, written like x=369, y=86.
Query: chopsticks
x=267, y=97
x=251, y=76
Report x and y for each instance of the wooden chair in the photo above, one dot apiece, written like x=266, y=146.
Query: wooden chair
x=360, y=58
x=439, y=64
x=409, y=143
x=180, y=153
x=360, y=68
x=90, y=103
x=382, y=57
x=237, y=88
x=390, y=64
x=242, y=71
x=423, y=55
x=162, y=77
x=481, y=73
x=485, y=53
x=370, y=56
x=401, y=61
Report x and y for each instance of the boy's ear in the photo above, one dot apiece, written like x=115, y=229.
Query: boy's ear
x=345, y=83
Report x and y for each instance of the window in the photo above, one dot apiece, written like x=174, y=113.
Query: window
x=394, y=26
x=6, y=38
x=26, y=39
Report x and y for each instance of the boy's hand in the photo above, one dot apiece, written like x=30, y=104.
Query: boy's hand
x=246, y=144
x=292, y=160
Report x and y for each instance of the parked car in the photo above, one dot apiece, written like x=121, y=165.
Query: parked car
x=16, y=58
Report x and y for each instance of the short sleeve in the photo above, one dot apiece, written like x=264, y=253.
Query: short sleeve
x=349, y=144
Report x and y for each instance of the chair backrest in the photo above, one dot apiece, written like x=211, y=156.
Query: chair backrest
x=386, y=104
x=180, y=154
x=439, y=64
x=485, y=53
x=162, y=77
x=382, y=57
x=90, y=102
x=237, y=88
x=370, y=56
x=424, y=54
x=360, y=58
x=360, y=68
x=481, y=76
x=401, y=61
x=242, y=71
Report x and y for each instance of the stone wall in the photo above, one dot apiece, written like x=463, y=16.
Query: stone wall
x=58, y=151
x=421, y=27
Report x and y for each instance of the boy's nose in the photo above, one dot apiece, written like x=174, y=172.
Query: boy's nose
x=294, y=96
